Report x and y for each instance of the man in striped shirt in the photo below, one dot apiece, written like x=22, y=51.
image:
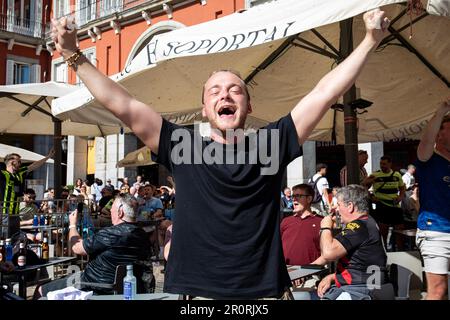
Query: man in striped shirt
x=388, y=191
x=362, y=160
x=12, y=184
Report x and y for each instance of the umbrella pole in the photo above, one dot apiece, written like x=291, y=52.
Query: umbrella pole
x=350, y=117
x=57, y=167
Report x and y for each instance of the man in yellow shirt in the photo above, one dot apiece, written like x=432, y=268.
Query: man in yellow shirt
x=388, y=191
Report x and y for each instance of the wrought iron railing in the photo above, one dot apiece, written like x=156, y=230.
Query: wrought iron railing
x=21, y=26
x=103, y=8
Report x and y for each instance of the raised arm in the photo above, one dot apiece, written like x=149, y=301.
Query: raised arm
x=308, y=112
x=139, y=117
x=426, y=145
x=39, y=163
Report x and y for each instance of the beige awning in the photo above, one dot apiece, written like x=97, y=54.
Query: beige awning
x=26, y=109
x=140, y=157
x=26, y=155
x=405, y=78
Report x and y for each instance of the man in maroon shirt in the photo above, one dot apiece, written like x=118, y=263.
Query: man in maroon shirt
x=300, y=232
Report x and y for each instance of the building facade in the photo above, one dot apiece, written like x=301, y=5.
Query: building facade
x=24, y=59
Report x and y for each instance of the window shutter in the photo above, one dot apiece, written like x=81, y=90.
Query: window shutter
x=93, y=58
x=9, y=71
x=10, y=15
x=93, y=5
x=35, y=73
x=60, y=74
x=66, y=7
x=38, y=20
x=79, y=15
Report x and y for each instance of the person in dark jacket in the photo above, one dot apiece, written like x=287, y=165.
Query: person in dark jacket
x=121, y=244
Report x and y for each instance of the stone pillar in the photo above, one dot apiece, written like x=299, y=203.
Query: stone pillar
x=100, y=158
x=42, y=145
x=76, y=158
x=112, y=155
x=302, y=168
x=130, y=145
x=375, y=151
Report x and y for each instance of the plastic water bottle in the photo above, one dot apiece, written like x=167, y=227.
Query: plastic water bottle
x=35, y=220
x=129, y=284
x=9, y=250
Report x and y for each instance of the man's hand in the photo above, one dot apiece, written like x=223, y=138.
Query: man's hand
x=327, y=222
x=376, y=24
x=367, y=182
x=51, y=153
x=324, y=285
x=64, y=34
x=73, y=217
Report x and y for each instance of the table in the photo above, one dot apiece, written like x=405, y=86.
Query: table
x=299, y=272
x=139, y=296
x=40, y=227
x=21, y=273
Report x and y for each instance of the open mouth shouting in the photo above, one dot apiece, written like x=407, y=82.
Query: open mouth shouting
x=226, y=112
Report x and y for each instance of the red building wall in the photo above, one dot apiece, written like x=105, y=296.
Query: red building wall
x=26, y=47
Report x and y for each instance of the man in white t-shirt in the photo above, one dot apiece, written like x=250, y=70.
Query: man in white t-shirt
x=408, y=177
x=322, y=186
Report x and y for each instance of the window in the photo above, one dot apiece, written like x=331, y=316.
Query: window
x=22, y=73
x=253, y=3
x=18, y=72
x=91, y=56
x=60, y=72
x=111, y=6
x=86, y=11
x=25, y=17
x=61, y=8
x=22, y=13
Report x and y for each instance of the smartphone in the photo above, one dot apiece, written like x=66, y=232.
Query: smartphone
x=80, y=207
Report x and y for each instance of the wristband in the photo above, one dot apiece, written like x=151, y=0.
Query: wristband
x=73, y=58
x=72, y=226
x=322, y=229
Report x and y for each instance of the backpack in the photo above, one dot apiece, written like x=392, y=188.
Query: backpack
x=317, y=196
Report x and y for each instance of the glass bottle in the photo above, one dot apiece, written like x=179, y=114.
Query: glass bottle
x=22, y=256
x=2, y=251
x=45, y=250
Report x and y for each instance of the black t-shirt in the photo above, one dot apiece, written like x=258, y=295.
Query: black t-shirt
x=124, y=243
x=362, y=240
x=226, y=240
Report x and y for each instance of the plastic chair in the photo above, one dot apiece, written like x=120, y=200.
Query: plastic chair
x=117, y=286
x=386, y=292
x=400, y=277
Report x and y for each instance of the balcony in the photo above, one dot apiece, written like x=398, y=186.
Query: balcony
x=97, y=9
x=25, y=27
x=103, y=8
